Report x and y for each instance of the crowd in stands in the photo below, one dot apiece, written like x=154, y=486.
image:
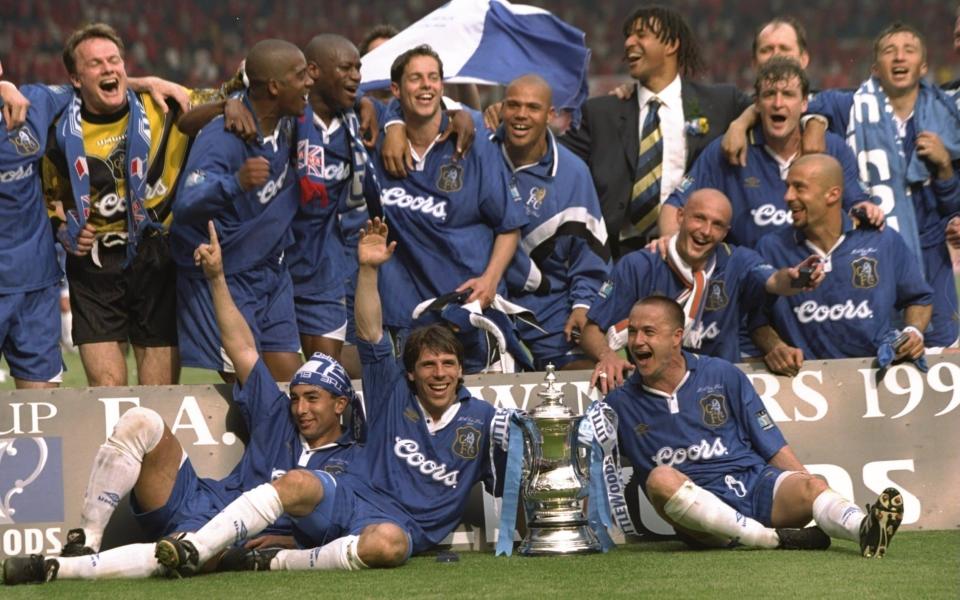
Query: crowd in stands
x=200, y=44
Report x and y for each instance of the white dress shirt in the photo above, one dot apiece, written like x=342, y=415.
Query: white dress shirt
x=671, y=130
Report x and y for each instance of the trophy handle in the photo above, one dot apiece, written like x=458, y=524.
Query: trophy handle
x=580, y=456
x=529, y=460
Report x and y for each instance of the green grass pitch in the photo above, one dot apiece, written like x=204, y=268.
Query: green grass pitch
x=918, y=565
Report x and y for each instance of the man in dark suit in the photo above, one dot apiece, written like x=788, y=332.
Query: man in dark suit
x=658, y=47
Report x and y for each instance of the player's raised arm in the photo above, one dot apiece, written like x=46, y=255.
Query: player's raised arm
x=235, y=334
x=372, y=251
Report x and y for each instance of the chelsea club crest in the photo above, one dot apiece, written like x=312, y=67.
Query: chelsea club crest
x=716, y=295
x=467, y=444
x=714, y=408
x=865, y=272
x=24, y=141
x=537, y=194
x=451, y=178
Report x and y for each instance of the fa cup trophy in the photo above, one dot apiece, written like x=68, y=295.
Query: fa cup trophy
x=554, y=479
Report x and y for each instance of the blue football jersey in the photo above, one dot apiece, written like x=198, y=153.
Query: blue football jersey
x=275, y=445
x=714, y=423
x=28, y=260
x=253, y=226
x=427, y=477
x=317, y=259
x=736, y=287
x=444, y=217
x=756, y=191
x=323, y=229
x=870, y=275
x=565, y=234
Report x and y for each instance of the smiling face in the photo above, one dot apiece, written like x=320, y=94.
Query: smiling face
x=291, y=88
x=900, y=63
x=781, y=104
x=811, y=197
x=647, y=56
x=654, y=339
x=100, y=76
x=435, y=378
x=704, y=222
x=316, y=413
x=420, y=88
x=336, y=77
x=525, y=114
x=779, y=39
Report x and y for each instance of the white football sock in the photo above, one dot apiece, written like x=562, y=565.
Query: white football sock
x=116, y=469
x=695, y=508
x=837, y=516
x=135, y=561
x=340, y=554
x=246, y=516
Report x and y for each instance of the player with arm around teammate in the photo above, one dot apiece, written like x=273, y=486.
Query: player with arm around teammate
x=712, y=461
x=143, y=457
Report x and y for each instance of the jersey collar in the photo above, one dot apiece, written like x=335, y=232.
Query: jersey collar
x=546, y=167
x=691, y=360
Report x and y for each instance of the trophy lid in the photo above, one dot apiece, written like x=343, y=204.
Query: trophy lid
x=552, y=405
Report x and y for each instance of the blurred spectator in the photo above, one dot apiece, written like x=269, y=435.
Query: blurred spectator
x=200, y=44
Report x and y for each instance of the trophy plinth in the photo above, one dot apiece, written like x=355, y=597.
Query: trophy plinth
x=555, y=479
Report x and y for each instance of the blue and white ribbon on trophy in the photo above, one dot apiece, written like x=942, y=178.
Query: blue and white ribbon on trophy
x=598, y=431
x=512, y=442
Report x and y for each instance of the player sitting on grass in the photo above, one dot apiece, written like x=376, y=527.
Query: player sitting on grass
x=427, y=446
x=712, y=461
x=143, y=457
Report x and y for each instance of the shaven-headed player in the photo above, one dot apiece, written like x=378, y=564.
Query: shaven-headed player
x=143, y=458
x=427, y=445
x=563, y=258
x=712, y=461
x=250, y=191
x=716, y=283
x=337, y=181
x=871, y=278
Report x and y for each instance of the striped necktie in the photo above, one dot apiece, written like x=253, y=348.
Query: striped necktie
x=645, y=202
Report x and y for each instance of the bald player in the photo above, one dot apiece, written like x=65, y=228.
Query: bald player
x=712, y=461
x=870, y=275
x=715, y=283
x=250, y=191
x=337, y=181
x=562, y=259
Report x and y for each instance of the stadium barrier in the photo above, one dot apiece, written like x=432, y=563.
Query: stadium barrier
x=860, y=432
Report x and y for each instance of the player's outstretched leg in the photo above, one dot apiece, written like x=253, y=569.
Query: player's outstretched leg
x=134, y=561
x=840, y=518
x=690, y=506
x=116, y=470
x=881, y=522
x=246, y=516
x=33, y=568
x=340, y=554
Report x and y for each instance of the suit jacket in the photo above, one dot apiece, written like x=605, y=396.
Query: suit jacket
x=607, y=140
